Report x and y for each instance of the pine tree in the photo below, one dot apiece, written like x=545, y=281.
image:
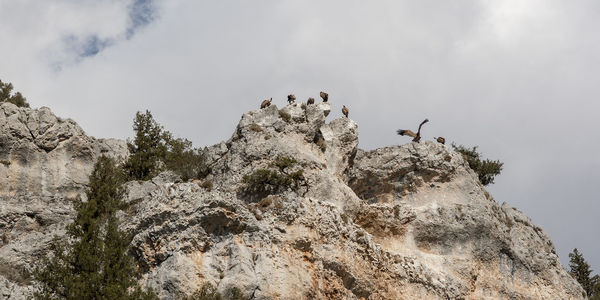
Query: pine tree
x=147, y=149
x=155, y=149
x=7, y=96
x=96, y=264
x=581, y=271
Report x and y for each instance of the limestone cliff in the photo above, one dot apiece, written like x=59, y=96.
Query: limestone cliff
x=403, y=222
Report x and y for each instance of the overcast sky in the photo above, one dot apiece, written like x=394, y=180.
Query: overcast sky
x=519, y=78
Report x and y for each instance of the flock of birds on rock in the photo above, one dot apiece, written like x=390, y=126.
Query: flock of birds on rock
x=404, y=132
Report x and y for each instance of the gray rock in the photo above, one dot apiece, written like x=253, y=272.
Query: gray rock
x=403, y=222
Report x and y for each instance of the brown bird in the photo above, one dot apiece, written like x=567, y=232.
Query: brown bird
x=441, y=140
x=416, y=136
x=324, y=96
x=310, y=101
x=345, y=111
x=266, y=103
x=291, y=98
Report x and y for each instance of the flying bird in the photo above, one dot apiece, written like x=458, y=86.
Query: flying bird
x=416, y=136
x=266, y=103
x=324, y=96
x=345, y=111
x=310, y=101
x=291, y=98
x=441, y=140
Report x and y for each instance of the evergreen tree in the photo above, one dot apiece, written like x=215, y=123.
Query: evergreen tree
x=147, y=149
x=486, y=169
x=581, y=271
x=7, y=96
x=155, y=149
x=95, y=265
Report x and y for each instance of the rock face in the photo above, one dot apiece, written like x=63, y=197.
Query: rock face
x=45, y=162
x=404, y=222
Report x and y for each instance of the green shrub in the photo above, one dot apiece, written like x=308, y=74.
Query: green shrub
x=486, y=169
x=6, y=95
x=277, y=178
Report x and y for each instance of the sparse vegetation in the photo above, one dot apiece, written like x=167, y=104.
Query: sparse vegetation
x=263, y=182
x=96, y=264
x=5, y=162
x=6, y=95
x=486, y=169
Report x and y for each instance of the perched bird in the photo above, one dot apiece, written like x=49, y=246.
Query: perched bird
x=266, y=103
x=291, y=98
x=345, y=111
x=441, y=140
x=310, y=101
x=324, y=96
x=416, y=136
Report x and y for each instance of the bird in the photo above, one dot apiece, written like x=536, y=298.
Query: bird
x=291, y=98
x=441, y=140
x=324, y=96
x=416, y=136
x=310, y=101
x=266, y=103
x=345, y=111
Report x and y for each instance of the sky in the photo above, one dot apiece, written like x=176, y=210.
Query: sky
x=518, y=78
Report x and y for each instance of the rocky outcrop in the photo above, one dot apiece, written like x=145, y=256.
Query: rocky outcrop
x=45, y=162
x=404, y=222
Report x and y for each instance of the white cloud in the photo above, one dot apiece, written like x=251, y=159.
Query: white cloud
x=518, y=78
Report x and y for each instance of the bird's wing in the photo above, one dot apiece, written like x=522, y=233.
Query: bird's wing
x=406, y=132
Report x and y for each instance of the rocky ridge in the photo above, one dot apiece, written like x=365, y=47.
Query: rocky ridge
x=402, y=222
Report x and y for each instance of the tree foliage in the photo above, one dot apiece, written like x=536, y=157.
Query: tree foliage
x=486, y=169
x=154, y=149
x=581, y=271
x=263, y=182
x=95, y=264
x=146, y=149
x=6, y=95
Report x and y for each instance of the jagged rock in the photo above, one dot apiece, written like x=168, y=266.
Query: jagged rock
x=45, y=162
x=404, y=222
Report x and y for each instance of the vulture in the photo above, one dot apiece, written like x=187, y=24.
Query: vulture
x=345, y=111
x=310, y=101
x=416, y=136
x=324, y=96
x=291, y=98
x=441, y=140
x=266, y=103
